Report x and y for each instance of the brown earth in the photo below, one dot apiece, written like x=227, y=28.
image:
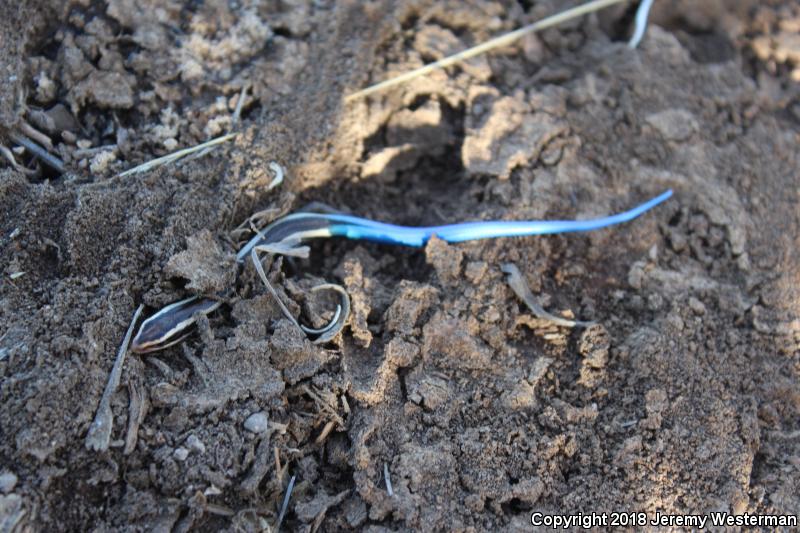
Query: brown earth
x=683, y=399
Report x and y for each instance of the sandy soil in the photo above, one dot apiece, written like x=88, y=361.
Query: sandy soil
x=684, y=397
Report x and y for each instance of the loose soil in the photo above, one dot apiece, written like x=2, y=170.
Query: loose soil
x=683, y=398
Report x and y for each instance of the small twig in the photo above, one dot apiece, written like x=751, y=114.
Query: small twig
x=36, y=135
x=285, y=504
x=521, y=289
x=324, y=405
x=503, y=40
x=162, y=367
x=100, y=431
x=272, y=291
x=137, y=410
x=234, y=119
x=260, y=218
x=220, y=510
x=38, y=151
x=329, y=503
x=200, y=368
x=260, y=465
x=174, y=156
x=237, y=113
x=253, y=222
x=9, y=155
x=278, y=467
x=3, y=351
x=278, y=427
x=641, y=23
x=388, y=480
x=325, y=432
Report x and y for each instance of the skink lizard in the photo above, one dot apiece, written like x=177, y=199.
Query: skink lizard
x=285, y=235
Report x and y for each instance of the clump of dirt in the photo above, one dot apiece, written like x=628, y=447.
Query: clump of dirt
x=682, y=398
x=122, y=81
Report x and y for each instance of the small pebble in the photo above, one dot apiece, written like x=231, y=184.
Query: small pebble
x=492, y=315
x=636, y=275
x=476, y=270
x=675, y=320
x=652, y=254
x=68, y=137
x=8, y=480
x=697, y=306
x=180, y=454
x=677, y=240
x=257, y=422
x=195, y=444
x=100, y=161
x=655, y=302
x=212, y=491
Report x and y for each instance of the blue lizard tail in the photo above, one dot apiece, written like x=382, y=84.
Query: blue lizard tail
x=364, y=229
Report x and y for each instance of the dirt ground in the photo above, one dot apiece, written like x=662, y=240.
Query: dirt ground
x=684, y=398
